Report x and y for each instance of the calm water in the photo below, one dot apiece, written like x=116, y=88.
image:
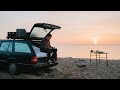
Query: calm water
x=84, y=51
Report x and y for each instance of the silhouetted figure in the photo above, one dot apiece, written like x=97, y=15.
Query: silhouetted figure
x=45, y=46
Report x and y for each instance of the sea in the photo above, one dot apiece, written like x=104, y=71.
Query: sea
x=84, y=51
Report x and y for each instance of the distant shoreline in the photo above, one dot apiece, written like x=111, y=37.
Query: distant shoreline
x=83, y=58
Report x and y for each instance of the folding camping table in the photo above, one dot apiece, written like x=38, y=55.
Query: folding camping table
x=98, y=57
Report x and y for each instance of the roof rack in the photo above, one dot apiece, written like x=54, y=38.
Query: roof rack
x=19, y=34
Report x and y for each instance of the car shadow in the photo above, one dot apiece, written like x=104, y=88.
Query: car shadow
x=3, y=69
x=37, y=72
x=42, y=71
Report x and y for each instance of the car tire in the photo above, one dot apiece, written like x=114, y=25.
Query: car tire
x=13, y=69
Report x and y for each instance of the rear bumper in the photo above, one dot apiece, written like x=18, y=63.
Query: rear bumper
x=45, y=64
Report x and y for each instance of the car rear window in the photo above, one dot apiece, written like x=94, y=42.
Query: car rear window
x=22, y=47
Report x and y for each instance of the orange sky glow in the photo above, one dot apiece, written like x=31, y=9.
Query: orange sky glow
x=78, y=27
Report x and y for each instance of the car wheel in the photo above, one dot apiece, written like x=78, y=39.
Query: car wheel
x=13, y=69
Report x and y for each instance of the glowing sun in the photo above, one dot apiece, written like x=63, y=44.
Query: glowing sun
x=94, y=40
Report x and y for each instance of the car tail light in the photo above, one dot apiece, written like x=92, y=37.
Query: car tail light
x=34, y=60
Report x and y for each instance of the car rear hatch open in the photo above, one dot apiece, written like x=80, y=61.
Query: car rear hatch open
x=40, y=30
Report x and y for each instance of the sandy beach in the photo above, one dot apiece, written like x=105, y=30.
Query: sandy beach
x=71, y=68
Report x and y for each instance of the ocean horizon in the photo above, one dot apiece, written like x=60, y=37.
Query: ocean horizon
x=84, y=51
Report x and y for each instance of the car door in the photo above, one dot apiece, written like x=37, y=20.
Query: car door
x=22, y=52
x=4, y=51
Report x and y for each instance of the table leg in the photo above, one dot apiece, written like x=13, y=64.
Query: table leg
x=106, y=60
x=96, y=61
x=90, y=57
x=99, y=57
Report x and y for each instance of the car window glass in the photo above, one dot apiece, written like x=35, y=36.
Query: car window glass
x=4, y=46
x=38, y=32
x=22, y=47
x=10, y=47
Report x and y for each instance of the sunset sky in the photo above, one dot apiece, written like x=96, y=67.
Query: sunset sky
x=77, y=27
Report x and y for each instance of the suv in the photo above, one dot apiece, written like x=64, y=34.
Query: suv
x=22, y=51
